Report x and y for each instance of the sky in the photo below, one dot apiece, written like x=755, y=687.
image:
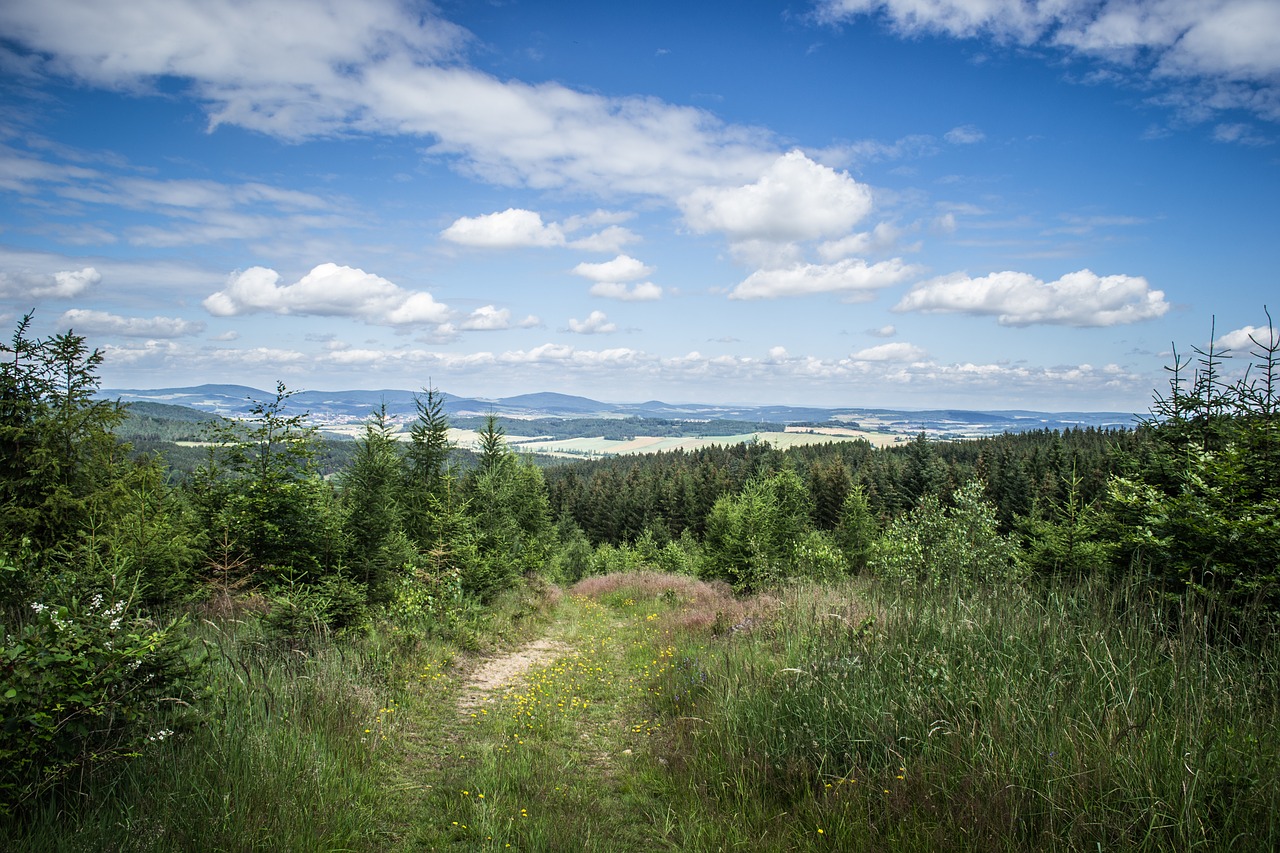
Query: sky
x=980, y=204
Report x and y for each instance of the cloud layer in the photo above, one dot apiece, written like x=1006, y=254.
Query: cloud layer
x=1018, y=299
x=59, y=285
x=1233, y=46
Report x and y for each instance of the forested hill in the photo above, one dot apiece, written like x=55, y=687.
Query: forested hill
x=331, y=408
x=617, y=499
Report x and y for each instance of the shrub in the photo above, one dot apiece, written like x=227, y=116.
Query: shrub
x=82, y=685
x=930, y=545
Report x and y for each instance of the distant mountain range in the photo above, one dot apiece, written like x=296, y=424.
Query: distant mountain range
x=346, y=407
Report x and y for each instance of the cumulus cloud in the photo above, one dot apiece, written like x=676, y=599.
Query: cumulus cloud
x=1020, y=299
x=516, y=228
x=883, y=238
x=897, y=351
x=1246, y=339
x=595, y=324
x=101, y=322
x=487, y=318
x=1231, y=45
x=793, y=199
x=853, y=277
x=58, y=285
x=328, y=290
x=510, y=229
x=610, y=279
x=621, y=268
x=645, y=291
x=883, y=332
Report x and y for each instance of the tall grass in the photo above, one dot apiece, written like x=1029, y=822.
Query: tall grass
x=296, y=743
x=1070, y=718
x=284, y=756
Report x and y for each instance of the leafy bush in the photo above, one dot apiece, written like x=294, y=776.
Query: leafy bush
x=81, y=685
x=931, y=546
x=431, y=596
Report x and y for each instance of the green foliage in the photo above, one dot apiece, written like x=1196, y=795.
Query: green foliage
x=752, y=538
x=512, y=521
x=856, y=530
x=1199, y=506
x=373, y=523
x=427, y=479
x=82, y=686
x=1065, y=541
x=261, y=488
x=430, y=597
x=830, y=485
x=816, y=556
x=301, y=615
x=934, y=546
x=153, y=537
x=58, y=458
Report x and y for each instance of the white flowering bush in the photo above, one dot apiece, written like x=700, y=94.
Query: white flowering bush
x=81, y=685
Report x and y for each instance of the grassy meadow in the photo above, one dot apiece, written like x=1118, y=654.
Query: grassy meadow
x=666, y=713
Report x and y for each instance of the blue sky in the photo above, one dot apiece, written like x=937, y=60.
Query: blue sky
x=915, y=203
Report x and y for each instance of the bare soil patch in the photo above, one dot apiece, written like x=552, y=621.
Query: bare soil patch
x=497, y=673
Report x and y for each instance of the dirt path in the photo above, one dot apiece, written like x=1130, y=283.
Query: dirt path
x=497, y=673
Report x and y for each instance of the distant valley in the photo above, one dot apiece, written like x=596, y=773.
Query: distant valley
x=566, y=425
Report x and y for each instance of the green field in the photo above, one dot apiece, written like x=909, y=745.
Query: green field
x=597, y=447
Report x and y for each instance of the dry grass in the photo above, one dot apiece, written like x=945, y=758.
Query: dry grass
x=696, y=607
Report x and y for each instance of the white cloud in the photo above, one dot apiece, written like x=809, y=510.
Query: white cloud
x=883, y=332
x=609, y=239
x=897, y=351
x=328, y=290
x=883, y=238
x=964, y=135
x=852, y=277
x=487, y=319
x=516, y=228
x=59, y=285
x=101, y=322
x=645, y=291
x=510, y=229
x=1019, y=299
x=295, y=69
x=1246, y=339
x=793, y=199
x=880, y=374
x=621, y=268
x=766, y=254
x=1234, y=45
x=595, y=324
x=149, y=353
